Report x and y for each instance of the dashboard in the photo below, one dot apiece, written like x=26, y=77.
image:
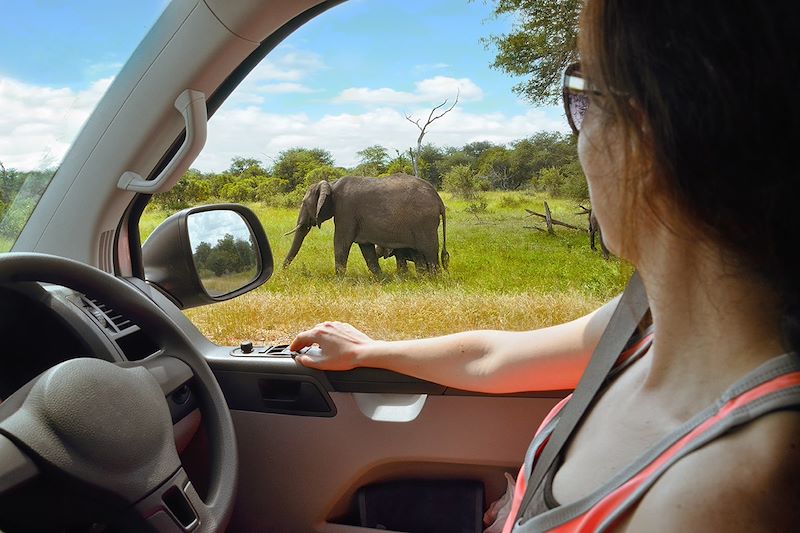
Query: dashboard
x=42, y=325
x=34, y=337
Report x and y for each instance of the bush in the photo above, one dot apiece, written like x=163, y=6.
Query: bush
x=190, y=190
x=269, y=188
x=321, y=173
x=242, y=190
x=288, y=199
x=575, y=185
x=461, y=181
x=477, y=207
x=510, y=201
x=551, y=180
x=567, y=180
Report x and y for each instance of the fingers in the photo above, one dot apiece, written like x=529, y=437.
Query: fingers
x=317, y=334
x=311, y=362
x=306, y=338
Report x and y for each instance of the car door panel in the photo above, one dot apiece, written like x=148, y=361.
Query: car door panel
x=303, y=469
x=302, y=472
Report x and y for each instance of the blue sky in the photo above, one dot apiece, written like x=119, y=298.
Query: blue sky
x=341, y=82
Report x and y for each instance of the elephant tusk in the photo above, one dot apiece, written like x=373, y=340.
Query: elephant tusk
x=297, y=227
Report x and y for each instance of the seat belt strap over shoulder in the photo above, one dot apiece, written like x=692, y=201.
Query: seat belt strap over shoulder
x=628, y=314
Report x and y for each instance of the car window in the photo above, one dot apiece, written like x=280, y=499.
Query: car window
x=51, y=78
x=346, y=95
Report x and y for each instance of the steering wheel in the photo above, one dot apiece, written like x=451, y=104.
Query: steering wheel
x=107, y=426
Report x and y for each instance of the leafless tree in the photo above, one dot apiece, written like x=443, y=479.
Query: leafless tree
x=423, y=129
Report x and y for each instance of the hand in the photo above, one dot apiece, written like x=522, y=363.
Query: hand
x=338, y=342
x=495, y=517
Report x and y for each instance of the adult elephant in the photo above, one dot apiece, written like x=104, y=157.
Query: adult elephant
x=397, y=212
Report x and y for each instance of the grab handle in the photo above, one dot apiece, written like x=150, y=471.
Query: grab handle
x=192, y=105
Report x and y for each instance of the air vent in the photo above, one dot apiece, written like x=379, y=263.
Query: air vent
x=107, y=317
x=134, y=343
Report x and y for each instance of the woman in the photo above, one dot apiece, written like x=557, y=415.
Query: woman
x=686, y=135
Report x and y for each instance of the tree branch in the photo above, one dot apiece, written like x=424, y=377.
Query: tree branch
x=414, y=122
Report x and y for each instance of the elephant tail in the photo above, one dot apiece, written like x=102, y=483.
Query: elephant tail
x=445, y=255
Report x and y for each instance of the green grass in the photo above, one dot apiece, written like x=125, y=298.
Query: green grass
x=502, y=275
x=6, y=244
x=217, y=285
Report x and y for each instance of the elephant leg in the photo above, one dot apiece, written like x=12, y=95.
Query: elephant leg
x=603, y=248
x=420, y=266
x=402, y=266
x=430, y=256
x=341, y=251
x=371, y=257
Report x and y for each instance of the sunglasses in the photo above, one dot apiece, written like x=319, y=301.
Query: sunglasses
x=576, y=93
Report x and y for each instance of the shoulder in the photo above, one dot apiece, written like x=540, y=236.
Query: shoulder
x=748, y=480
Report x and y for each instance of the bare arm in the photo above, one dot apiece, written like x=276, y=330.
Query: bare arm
x=483, y=361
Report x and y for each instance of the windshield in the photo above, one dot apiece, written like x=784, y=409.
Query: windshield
x=58, y=60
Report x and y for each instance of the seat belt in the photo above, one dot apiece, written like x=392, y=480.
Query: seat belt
x=626, y=317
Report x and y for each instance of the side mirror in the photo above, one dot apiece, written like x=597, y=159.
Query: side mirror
x=208, y=254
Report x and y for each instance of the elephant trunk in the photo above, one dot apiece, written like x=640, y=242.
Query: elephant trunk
x=299, y=235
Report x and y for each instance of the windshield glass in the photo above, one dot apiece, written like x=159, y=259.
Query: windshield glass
x=58, y=60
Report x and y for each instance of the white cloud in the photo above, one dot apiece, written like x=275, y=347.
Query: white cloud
x=432, y=66
x=431, y=90
x=38, y=124
x=102, y=69
x=286, y=87
x=252, y=132
x=280, y=74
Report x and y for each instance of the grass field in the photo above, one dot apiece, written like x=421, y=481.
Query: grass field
x=502, y=275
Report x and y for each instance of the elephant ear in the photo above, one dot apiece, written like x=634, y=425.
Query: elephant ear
x=325, y=197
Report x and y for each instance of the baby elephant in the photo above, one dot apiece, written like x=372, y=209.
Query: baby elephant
x=402, y=255
x=398, y=212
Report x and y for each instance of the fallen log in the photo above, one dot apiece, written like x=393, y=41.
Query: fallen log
x=550, y=221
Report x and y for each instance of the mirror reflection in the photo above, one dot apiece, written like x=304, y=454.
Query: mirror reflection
x=224, y=250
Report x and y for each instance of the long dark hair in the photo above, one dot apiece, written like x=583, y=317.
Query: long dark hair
x=716, y=86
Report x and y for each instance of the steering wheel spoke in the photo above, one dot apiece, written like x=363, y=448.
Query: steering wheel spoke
x=175, y=506
x=175, y=378
x=169, y=372
x=16, y=468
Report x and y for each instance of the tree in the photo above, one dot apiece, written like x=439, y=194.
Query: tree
x=461, y=181
x=242, y=190
x=192, y=189
x=495, y=168
x=424, y=129
x=322, y=173
x=428, y=159
x=373, y=160
x=541, y=44
x=575, y=185
x=201, y=254
x=475, y=149
x=551, y=179
x=269, y=188
x=452, y=157
x=294, y=164
x=246, y=165
x=399, y=165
